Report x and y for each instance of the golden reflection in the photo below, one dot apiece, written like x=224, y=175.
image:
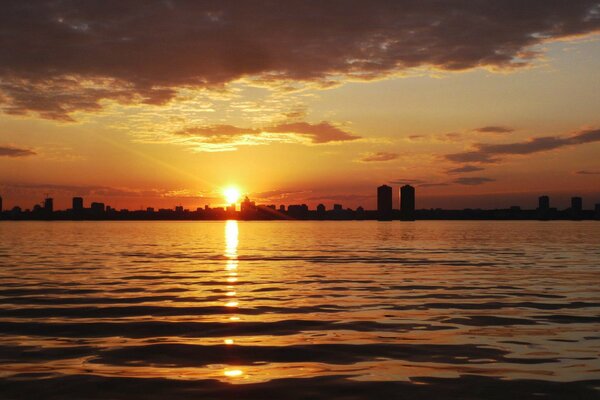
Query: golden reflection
x=228, y=341
x=231, y=240
x=231, y=263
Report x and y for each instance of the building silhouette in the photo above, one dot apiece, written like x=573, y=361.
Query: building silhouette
x=77, y=204
x=0, y=204
x=407, y=202
x=247, y=206
x=384, y=202
x=48, y=205
x=97, y=208
x=576, y=204
x=543, y=203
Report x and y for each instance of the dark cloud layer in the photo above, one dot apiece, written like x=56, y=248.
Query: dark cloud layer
x=10, y=151
x=465, y=169
x=585, y=172
x=63, y=56
x=491, y=153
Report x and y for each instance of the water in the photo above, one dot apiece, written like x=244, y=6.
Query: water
x=299, y=310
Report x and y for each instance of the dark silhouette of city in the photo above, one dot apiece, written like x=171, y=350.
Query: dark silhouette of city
x=249, y=210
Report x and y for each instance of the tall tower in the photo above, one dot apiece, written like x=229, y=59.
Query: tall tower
x=407, y=198
x=407, y=202
x=48, y=205
x=77, y=204
x=543, y=203
x=576, y=204
x=384, y=202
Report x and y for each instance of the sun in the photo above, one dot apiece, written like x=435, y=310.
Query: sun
x=232, y=194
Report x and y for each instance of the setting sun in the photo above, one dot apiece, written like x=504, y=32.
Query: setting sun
x=232, y=194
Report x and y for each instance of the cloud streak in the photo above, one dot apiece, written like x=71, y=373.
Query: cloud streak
x=492, y=153
x=465, y=169
x=381, y=156
x=60, y=57
x=494, y=129
x=10, y=151
x=473, y=180
x=229, y=137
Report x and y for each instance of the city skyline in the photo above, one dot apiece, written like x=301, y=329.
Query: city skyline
x=407, y=210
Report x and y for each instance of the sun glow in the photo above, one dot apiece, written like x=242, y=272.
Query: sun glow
x=232, y=194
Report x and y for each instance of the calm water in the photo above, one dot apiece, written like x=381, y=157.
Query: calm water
x=299, y=310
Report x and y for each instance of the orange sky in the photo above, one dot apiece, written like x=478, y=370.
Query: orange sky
x=479, y=105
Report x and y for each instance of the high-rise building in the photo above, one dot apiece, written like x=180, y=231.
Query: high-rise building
x=384, y=202
x=97, y=208
x=543, y=203
x=321, y=209
x=576, y=204
x=77, y=204
x=48, y=205
x=407, y=198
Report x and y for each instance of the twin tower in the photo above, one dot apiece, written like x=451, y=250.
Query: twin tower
x=385, y=210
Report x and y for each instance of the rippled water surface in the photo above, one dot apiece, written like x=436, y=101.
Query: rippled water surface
x=299, y=310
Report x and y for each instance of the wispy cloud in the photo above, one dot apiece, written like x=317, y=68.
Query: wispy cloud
x=406, y=181
x=381, y=156
x=494, y=129
x=473, y=181
x=465, y=169
x=98, y=190
x=10, y=151
x=586, y=172
x=491, y=153
x=229, y=137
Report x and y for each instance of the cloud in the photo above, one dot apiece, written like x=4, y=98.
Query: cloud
x=464, y=169
x=425, y=185
x=587, y=172
x=494, y=129
x=10, y=151
x=491, y=153
x=92, y=190
x=228, y=137
x=408, y=181
x=449, y=137
x=61, y=57
x=472, y=181
x=379, y=157
x=415, y=138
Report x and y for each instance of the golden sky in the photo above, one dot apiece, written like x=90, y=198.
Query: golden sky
x=165, y=103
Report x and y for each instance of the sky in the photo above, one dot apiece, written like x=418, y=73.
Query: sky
x=165, y=103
